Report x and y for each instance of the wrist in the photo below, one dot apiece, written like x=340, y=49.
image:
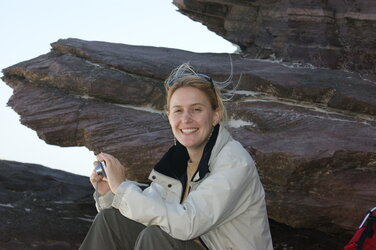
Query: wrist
x=117, y=185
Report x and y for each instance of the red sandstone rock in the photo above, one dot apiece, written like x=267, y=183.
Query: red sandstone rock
x=334, y=33
x=311, y=131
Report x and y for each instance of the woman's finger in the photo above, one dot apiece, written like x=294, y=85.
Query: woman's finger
x=104, y=157
x=99, y=157
x=94, y=177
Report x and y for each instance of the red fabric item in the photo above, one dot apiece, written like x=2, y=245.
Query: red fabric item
x=369, y=242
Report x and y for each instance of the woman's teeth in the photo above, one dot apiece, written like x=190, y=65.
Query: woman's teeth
x=187, y=131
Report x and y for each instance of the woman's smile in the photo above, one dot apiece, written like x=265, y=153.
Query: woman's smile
x=189, y=130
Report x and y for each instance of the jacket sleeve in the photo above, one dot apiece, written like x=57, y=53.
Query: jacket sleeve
x=228, y=191
x=103, y=201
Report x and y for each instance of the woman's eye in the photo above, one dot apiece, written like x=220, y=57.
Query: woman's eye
x=197, y=109
x=177, y=110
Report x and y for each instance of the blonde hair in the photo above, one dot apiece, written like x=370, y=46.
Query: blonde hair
x=185, y=76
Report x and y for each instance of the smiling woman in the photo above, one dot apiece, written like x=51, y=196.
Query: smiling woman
x=194, y=107
x=205, y=191
x=192, y=119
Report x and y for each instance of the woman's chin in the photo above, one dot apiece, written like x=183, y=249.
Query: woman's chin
x=187, y=143
x=191, y=145
x=190, y=141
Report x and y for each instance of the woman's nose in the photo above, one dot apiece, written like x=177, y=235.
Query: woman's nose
x=186, y=117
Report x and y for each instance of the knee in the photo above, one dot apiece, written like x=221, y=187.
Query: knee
x=151, y=232
x=105, y=215
x=154, y=237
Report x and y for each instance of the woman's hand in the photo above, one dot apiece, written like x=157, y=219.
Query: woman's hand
x=99, y=182
x=115, y=171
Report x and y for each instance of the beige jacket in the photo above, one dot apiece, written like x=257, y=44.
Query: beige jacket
x=225, y=208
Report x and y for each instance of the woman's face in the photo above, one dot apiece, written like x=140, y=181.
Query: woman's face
x=191, y=117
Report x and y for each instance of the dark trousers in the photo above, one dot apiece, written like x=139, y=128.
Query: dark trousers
x=112, y=230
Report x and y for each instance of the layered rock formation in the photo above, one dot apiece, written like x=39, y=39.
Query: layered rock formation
x=42, y=208
x=311, y=131
x=333, y=33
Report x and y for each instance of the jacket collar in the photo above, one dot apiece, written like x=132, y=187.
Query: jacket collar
x=174, y=162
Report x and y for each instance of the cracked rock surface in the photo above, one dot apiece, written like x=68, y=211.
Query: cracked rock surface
x=333, y=34
x=43, y=208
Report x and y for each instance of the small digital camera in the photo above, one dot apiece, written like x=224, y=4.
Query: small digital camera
x=101, y=168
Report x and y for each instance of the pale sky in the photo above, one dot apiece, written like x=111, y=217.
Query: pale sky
x=27, y=28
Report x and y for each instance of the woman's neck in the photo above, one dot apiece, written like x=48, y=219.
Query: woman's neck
x=195, y=155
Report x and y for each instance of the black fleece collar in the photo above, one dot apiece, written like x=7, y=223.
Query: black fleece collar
x=174, y=162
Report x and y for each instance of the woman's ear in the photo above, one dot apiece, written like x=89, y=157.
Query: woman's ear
x=217, y=116
x=168, y=116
